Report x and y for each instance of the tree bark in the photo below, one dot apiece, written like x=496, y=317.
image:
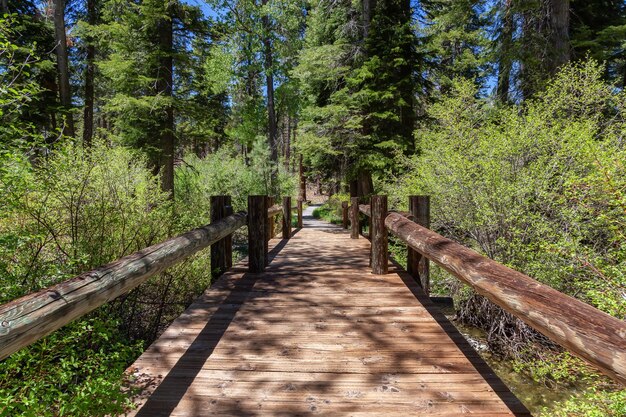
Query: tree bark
x=89, y=78
x=504, y=55
x=302, y=193
x=164, y=86
x=269, y=81
x=65, y=93
x=559, y=31
x=407, y=88
x=368, y=13
x=288, y=143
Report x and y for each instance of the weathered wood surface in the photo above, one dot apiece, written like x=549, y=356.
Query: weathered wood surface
x=344, y=214
x=585, y=331
x=286, y=221
x=354, y=217
x=274, y=210
x=317, y=334
x=221, y=251
x=299, y=208
x=258, y=231
x=365, y=209
x=28, y=319
x=378, y=233
x=418, y=265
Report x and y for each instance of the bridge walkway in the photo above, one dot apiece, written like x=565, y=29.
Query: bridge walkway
x=316, y=334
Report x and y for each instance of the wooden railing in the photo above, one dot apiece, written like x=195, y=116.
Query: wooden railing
x=28, y=319
x=589, y=333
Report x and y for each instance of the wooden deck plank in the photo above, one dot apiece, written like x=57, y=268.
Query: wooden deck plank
x=316, y=334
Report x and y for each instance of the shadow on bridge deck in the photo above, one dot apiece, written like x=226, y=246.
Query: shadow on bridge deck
x=317, y=333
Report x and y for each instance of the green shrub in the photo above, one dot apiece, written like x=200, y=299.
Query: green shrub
x=226, y=173
x=539, y=187
x=76, y=371
x=592, y=403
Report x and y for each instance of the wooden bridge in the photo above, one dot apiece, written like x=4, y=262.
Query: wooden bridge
x=321, y=321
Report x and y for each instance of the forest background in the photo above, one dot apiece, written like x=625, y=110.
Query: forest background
x=119, y=118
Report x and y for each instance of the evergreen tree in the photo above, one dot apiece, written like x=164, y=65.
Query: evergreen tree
x=149, y=57
x=33, y=35
x=598, y=30
x=360, y=87
x=456, y=41
x=61, y=49
x=265, y=38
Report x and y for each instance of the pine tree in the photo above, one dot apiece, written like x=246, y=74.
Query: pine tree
x=34, y=35
x=65, y=92
x=360, y=87
x=147, y=65
x=598, y=30
x=265, y=38
x=456, y=41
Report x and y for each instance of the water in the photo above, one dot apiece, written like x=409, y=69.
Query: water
x=534, y=395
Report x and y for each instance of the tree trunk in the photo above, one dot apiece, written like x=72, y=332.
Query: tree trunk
x=559, y=31
x=302, y=193
x=407, y=87
x=89, y=78
x=65, y=93
x=362, y=185
x=288, y=144
x=164, y=87
x=504, y=53
x=365, y=183
x=368, y=13
x=5, y=6
x=269, y=81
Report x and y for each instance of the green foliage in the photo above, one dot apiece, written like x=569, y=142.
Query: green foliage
x=331, y=211
x=31, y=65
x=18, y=90
x=73, y=211
x=226, y=173
x=76, y=371
x=359, y=89
x=539, y=188
x=129, y=34
x=592, y=403
x=554, y=368
x=456, y=41
x=76, y=211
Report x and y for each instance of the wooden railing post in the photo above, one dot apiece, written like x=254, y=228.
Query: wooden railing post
x=299, y=213
x=257, y=232
x=218, y=250
x=286, y=217
x=344, y=214
x=271, y=223
x=228, y=240
x=354, y=217
x=378, y=235
x=418, y=265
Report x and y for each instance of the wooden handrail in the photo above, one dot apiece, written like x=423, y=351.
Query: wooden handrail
x=274, y=210
x=365, y=209
x=28, y=319
x=584, y=330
